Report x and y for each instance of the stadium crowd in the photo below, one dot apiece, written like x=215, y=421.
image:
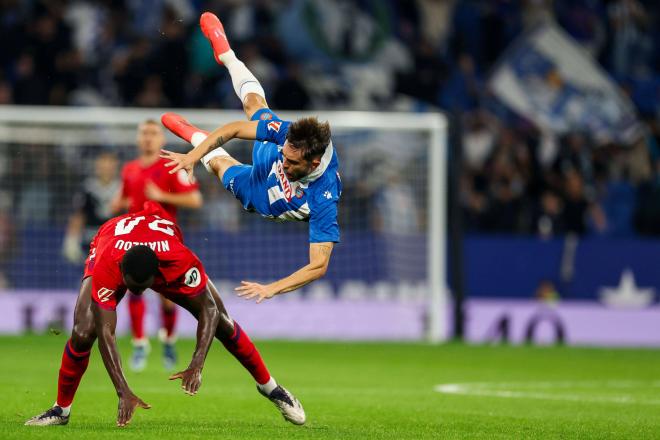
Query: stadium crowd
x=370, y=55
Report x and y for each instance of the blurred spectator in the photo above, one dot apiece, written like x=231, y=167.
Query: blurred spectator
x=550, y=220
x=290, y=92
x=462, y=89
x=479, y=135
x=579, y=212
x=91, y=207
x=631, y=46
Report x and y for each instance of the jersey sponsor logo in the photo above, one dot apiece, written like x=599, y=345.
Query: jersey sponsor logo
x=275, y=125
x=192, y=278
x=104, y=294
x=284, y=182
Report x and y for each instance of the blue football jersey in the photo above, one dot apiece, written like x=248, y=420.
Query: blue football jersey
x=263, y=187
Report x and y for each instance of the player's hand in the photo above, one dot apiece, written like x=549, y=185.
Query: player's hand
x=249, y=290
x=153, y=192
x=127, y=406
x=178, y=162
x=191, y=380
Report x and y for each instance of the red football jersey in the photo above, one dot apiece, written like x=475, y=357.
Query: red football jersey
x=180, y=271
x=135, y=177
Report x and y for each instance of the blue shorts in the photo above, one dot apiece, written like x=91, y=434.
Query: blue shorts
x=237, y=181
x=237, y=178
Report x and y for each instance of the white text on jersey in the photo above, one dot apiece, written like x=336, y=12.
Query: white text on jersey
x=156, y=246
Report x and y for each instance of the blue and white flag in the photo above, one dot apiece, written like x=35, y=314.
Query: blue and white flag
x=548, y=78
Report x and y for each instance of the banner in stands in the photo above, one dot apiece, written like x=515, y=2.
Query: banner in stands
x=547, y=77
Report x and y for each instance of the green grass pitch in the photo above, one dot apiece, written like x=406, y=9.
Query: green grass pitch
x=353, y=391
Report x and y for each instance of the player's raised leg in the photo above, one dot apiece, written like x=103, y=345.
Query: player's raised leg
x=246, y=85
x=75, y=359
x=238, y=343
x=217, y=161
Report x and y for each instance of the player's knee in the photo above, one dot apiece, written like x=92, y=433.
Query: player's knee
x=221, y=164
x=82, y=337
x=225, y=328
x=253, y=103
x=216, y=166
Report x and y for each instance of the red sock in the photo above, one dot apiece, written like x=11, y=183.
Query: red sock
x=72, y=369
x=240, y=345
x=168, y=318
x=136, y=309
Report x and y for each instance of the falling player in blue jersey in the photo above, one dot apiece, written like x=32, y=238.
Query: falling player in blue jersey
x=293, y=175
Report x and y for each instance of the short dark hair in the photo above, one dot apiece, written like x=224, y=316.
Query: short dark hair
x=140, y=263
x=310, y=136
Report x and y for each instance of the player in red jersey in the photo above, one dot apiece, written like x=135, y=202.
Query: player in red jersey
x=146, y=178
x=136, y=252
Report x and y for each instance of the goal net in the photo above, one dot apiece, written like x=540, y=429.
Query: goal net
x=386, y=279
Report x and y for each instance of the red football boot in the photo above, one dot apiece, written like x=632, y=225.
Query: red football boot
x=178, y=125
x=214, y=32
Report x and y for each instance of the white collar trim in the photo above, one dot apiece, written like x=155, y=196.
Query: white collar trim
x=325, y=161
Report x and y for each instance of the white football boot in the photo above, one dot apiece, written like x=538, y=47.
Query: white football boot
x=288, y=405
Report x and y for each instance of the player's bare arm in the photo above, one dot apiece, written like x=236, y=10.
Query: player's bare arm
x=204, y=307
x=234, y=130
x=319, y=258
x=191, y=199
x=119, y=204
x=106, y=323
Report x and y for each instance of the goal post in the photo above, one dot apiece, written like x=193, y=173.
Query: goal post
x=398, y=252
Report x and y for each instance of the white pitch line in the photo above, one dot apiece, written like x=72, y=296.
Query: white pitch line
x=503, y=390
x=564, y=384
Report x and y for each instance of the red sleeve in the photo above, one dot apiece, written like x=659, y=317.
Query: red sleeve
x=90, y=262
x=107, y=288
x=184, y=274
x=179, y=183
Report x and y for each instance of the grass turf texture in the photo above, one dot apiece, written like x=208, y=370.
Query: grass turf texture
x=352, y=391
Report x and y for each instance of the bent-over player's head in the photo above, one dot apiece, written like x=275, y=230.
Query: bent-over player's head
x=305, y=144
x=150, y=138
x=139, y=267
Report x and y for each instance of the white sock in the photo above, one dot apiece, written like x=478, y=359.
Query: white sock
x=206, y=160
x=66, y=410
x=242, y=79
x=143, y=342
x=197, y=138
x=269, y=386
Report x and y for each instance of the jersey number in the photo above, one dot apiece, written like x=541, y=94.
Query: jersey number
x=126, y=225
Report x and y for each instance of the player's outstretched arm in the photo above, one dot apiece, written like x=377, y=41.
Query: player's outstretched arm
x=106, y=322
x=319, y=258
x=217, y=138
x=202, y=306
